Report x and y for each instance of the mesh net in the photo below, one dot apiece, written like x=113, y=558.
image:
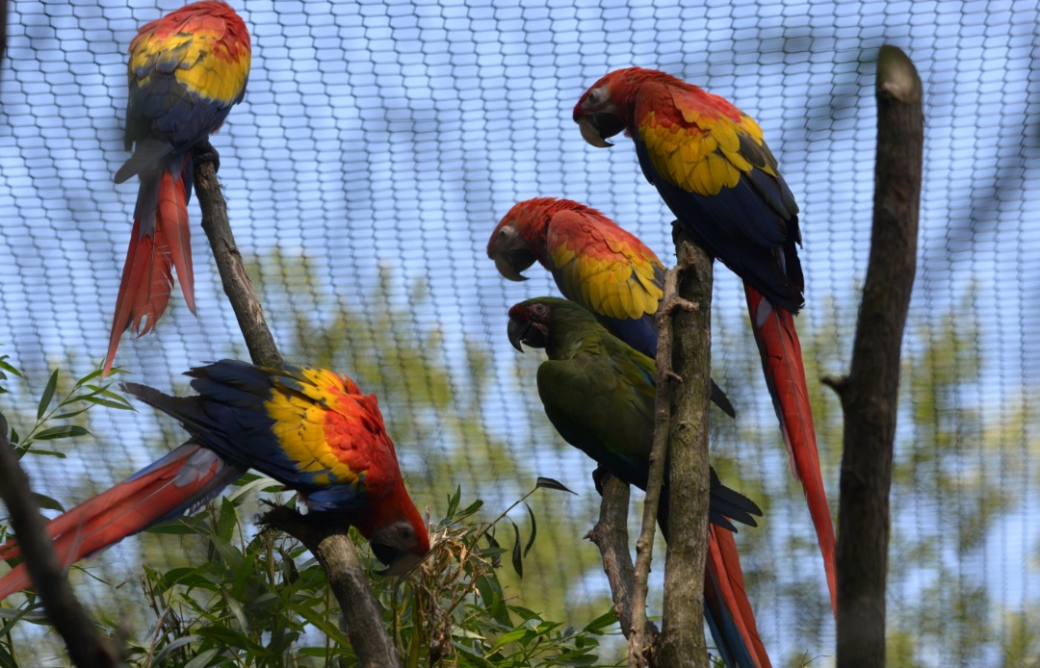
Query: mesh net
x=381, y=140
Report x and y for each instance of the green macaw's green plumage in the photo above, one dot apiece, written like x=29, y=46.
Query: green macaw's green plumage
x=599, y=393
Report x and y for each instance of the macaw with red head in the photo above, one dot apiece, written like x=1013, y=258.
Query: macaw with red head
x=711, y=165
x=186, y=70
x=596, y=263
x=310, y=429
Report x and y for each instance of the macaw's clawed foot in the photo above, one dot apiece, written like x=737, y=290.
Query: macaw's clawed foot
x=204, y=152
x=597, y=478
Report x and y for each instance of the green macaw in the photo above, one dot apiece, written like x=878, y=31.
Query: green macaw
x=599, y=394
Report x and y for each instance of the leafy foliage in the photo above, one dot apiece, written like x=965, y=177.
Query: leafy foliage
x=264, y=601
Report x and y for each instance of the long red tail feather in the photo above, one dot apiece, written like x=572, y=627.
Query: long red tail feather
x=144, y=290
x=785, y=376
x=727, y=578
x=184, y=478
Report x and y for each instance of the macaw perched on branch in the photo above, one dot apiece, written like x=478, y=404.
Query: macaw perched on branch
x=186, y=71
x=311, y=430
x=596, y=263
x=599, y=393
x=712, y=167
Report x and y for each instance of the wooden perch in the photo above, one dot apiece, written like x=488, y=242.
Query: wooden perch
x=237, y=286
x=682, y=636
x=610, y=535
x=327, y=540
x=326, y=536
x=869, y=394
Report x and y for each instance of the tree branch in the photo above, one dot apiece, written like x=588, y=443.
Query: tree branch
x=682, y=638
x=325, y=535
x=869, y=395
x=237, y=286
x=327, y=540
x=610, y=535
x=86, y=646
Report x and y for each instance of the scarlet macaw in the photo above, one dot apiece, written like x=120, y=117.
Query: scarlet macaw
x=599, y=393
x=310, y=429
x=712, y=167
x=186, y=71
x=596, y=263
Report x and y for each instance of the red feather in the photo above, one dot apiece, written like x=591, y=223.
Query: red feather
x=724, y=584
x=144, y=290
x=184, y=478
x=785, y=376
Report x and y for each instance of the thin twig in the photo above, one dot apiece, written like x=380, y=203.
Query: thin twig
x=87, y=648
x=327, y=540
x=870, y=393
x=637, y=649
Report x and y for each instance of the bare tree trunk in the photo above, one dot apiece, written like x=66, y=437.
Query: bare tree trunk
x=327, y=540
x=682, y=638
x=869, y=394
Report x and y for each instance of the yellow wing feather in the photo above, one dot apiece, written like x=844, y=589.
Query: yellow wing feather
x=608, y=276
x=301, y=426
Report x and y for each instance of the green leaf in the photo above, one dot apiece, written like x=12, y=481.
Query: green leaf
x=66, y=416
x=321, y=622
x=173, y=528
x=8, y=368
x=227, y=519
x=173, y=645
x=47, y=502
x=63, y=431
x=263, y=484
x=518, y=561
x=469, y=510
x=549, y=483
x=89, y=377
x=48, y=453
x=106, y=403
x=512, y=636
x=229, y=554
x=495, y=545
x=599, y=624
x=48, y=395
x=534, y=530
x=453, y=501
x=201, y=660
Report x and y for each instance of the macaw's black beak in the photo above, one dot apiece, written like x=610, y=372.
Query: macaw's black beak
x=518, y=332
x=597, y=128
x=398, y=561
x=511, y=262
x=524, y=331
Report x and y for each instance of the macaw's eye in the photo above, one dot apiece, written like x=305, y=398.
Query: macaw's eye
x=540, y=310
x=594, y=96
